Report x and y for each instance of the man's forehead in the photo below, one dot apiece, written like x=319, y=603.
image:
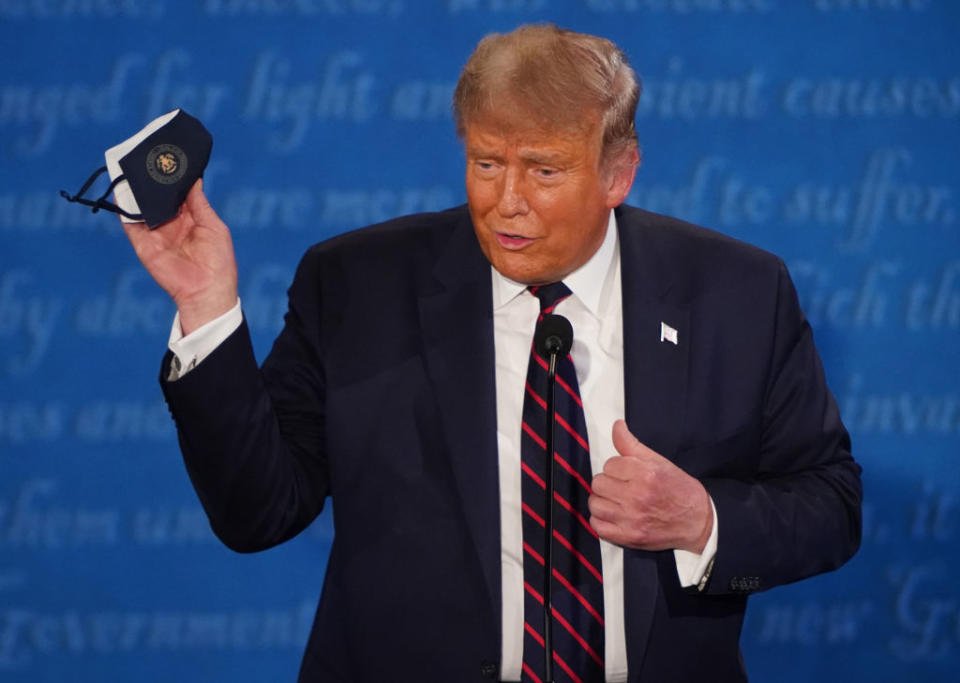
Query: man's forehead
x=526, y=135
x=484, y=136
x=511, y=115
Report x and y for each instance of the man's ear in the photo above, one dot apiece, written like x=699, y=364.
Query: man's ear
x=622, y=168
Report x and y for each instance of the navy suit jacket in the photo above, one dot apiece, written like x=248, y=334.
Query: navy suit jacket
x=380, y=392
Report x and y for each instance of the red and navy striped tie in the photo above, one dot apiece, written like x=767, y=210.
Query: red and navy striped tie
x=577, y=582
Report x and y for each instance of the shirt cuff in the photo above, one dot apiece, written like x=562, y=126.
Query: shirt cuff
x=190, y=350
x=693, y=568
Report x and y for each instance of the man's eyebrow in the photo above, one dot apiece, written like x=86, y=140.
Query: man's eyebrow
x=543, y=156
x=482, y=152
x=535, y=156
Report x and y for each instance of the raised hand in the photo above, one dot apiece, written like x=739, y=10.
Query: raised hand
x=191, y=257
x=642, y=500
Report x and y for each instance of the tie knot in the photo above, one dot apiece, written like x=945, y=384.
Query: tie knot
x=550, y=295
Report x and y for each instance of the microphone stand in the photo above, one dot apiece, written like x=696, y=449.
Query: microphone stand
x=553, y=337
x=553, y=346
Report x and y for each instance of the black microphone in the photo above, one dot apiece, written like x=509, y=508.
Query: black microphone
x=553, y=338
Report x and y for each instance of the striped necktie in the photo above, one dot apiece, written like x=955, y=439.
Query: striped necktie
x=577, y=582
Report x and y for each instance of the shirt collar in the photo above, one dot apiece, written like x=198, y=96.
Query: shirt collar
x=586, y=282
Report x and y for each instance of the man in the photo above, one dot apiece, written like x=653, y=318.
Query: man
x=399, y=386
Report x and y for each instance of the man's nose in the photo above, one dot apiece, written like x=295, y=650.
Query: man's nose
x=512, y=201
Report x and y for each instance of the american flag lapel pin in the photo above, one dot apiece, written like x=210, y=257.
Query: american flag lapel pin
x=668, y=333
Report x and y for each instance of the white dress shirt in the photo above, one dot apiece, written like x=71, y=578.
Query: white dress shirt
x=595, y=311
x=596, y=314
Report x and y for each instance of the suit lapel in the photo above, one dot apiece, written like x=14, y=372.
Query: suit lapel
x=655, y=368
x=655, y=383
x=457, y=322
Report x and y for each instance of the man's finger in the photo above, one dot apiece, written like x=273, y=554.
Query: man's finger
x=138, y=234
x=621, y=468
x=628, y=445
x=606, y=486
x=197, y=201
x=603, y=508
x=132, y=228
x=608, y=531
x=197, y=204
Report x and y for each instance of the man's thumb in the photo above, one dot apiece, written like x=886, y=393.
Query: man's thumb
x=196, y=202
x=625, y=442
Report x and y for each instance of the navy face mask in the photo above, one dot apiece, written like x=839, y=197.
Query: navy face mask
x=152, y=172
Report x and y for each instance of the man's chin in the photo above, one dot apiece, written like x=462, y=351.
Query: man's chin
x=523, y=271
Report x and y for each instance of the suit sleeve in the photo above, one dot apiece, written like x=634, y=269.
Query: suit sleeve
x=799, y=514
x=252, y=439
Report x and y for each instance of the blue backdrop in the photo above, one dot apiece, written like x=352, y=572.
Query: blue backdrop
x=824, y=130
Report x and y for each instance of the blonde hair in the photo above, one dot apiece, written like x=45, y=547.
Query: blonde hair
x=553, y=78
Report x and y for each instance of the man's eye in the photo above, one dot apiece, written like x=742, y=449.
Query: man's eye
x=546, y=172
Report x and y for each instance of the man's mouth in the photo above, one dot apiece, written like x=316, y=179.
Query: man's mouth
x=508, y=241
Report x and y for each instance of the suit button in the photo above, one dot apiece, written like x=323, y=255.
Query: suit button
x=488, y=670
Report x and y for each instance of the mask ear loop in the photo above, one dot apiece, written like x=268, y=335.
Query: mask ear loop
x=101, y=202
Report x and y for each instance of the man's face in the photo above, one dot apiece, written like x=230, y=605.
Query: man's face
x=540, y=201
